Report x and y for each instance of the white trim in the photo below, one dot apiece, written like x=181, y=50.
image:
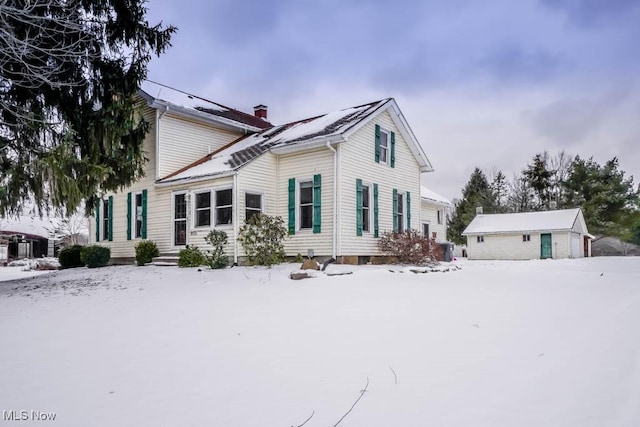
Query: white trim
x=172, y=219
x=299, y=228
x=370, y=208
x=133, y=213
x=388, y=132
x=194, y=209
x=254, y=193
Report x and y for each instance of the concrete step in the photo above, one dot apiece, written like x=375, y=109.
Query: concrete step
x=165, y=260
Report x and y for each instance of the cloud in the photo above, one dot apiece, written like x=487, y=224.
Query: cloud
x=515, y=64
x=595, y=13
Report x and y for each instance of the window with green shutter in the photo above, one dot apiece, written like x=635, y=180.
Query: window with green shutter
x=144, y=214
x=408, y=211
x=129, y=216
x=292, y=206
x=97, y=209
x=375, y=210
x=359, y=224
x=395, y=210
x=377, y=142
x=317, y=199
x=110, y=226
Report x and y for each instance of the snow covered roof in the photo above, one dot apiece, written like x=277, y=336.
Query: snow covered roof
x=161, y=94
x=431, y=196
x=563, y=219
x=242, y=151
x=27, y=225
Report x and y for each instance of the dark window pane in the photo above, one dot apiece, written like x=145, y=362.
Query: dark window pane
x=383, y=139
x=253, y=200
x=365, y=219
x=180, y=206
x=203, y=217
x=306, y=192
x=425, y=229
x=400, y=203
x=249, y=213
x=223, y=215
x=180, y=233
x=223, y=198
x=203, y=200
x=306, y=216
x=365, y=196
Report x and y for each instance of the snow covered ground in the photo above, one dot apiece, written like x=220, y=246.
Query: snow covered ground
x=535, y=343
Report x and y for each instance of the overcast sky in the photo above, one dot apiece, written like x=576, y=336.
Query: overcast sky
x=485, y=83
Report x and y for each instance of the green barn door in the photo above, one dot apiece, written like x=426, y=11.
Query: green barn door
x=545, y=246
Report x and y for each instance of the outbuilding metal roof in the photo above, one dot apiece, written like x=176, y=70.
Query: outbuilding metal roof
x=563, y=219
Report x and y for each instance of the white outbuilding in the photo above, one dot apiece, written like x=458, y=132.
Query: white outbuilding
x=529, y=235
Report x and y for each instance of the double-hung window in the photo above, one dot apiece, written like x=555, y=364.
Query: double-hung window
x=480, y=239
x=138, y=215
x=366, y=208
x=425, y=229
x=105, y=219
x=439, y=216
x=224, y=207
x=306, y=204
x=400, y=212
x=384, y=146
x=203, y=209
x=253, y=205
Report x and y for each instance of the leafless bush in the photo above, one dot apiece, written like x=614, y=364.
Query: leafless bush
x=410, y=247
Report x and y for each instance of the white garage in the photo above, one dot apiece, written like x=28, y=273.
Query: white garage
x=529, y=235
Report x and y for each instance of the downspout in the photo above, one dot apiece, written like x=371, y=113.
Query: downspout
x=335, y=199
x=236, y=218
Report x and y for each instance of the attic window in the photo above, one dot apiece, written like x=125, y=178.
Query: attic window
x=384, y=146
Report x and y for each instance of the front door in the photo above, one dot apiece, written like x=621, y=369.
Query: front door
x=179, y=219
x=545, y=246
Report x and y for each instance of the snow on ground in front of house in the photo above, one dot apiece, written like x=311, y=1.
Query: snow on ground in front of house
x=497, y=343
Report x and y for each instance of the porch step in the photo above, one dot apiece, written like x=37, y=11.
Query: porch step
x=165, y=260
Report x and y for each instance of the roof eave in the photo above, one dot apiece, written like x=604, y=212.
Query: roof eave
x=188, y=180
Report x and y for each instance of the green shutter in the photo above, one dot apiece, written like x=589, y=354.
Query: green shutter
x=393, y=149
x=98, y=220
x=128, y=216
x=358, y=207
x=317, y=198
x=377, y=143
x=375, y=210
x=110, y=218
x=395, y=210
x=408, y=210
x=292, y=206
x=144, y=214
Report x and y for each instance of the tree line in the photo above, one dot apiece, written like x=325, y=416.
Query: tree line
x=609, y=201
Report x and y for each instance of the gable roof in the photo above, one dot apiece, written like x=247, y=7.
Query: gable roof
x=167, y=98
x=431, y=196
x=27, y=225
x=332, y=127
x=558, y=220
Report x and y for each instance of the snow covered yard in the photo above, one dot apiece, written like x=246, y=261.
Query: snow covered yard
x=535, y=343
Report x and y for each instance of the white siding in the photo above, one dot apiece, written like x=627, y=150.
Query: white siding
x=357, y=161
x=303, y=166
x=511, y=246
x=429, y=214
x=182, y=142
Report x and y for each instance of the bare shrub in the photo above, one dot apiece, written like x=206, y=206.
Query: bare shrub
x=410, y=247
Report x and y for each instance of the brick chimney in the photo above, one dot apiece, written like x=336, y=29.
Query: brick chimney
x=260, y=111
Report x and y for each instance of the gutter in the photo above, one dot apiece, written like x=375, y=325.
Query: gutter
x=314, y=143
x=159, y=116
x=189, y=181
x=335, y=199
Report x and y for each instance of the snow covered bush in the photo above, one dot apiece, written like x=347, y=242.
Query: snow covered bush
x=215, y=256
x=145, y=251
x=191, y=256
x=262, y=238
x=71, y=257
x=95, y=256
x=410, y=247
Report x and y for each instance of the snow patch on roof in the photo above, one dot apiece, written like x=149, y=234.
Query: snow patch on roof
x=27, y=225
x=431, y=195
x=563, y=219
x=247, y=149
x=178, y=97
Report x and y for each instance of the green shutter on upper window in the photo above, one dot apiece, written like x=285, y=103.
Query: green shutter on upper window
x=110, y=237
x=143, y=232
x=408, y=210
x=292, y=206
x=377, y=143
x=317, y=199
x=128, y=216
x=395, y=210
x=375, y=210
x=98, y=220
x=358, y=207
x=393, y=149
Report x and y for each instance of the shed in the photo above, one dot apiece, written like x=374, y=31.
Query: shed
x=529, y=235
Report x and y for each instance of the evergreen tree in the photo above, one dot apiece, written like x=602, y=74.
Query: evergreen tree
x=476, y=193
x=538, y=176
x=70, y=126
x=500, y=189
